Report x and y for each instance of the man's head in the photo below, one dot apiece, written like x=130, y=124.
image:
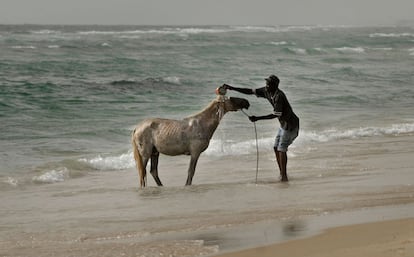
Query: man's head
x=272, y=83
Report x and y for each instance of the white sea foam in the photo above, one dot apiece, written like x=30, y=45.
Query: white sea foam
x=119, y=162
x=256, y=29
x=320, y=49
x=155, y=31
x=52, y=176
x=392, y=35
x=95, y=32
x=334, y=133
x=298, y=50
x=23, y=47
x=382, y=48
x=11, y=181
x=219, y=147
x=279, y=43
x=172, y=80
x=198, y=30
x=350, y=49
x=277, y=29
x=130, y=37
x=45, y=32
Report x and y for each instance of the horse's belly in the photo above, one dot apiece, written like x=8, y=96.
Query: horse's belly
x=172, y=146
x=178, y=147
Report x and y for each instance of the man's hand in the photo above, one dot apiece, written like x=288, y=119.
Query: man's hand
x=253, y=118
x=225, y=86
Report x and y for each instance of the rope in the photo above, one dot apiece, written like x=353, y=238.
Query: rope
x=257, y=145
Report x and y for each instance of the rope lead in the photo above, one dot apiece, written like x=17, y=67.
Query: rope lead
x=257, y=145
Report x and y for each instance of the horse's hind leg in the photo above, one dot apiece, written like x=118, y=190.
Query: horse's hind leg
x=154, y=166
x=141, y=163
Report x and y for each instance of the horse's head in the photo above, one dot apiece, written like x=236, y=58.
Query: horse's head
x=232, y=104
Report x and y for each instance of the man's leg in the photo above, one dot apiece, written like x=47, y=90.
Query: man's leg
x=278, y=160
x=283, y=139
x=282, y=166
x=276, y=145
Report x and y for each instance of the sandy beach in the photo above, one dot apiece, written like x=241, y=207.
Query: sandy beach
x=379, y=239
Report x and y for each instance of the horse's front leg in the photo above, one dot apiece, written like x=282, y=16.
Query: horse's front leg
x=191, y=168
x=154, y=166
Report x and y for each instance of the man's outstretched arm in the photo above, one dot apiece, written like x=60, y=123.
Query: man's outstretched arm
x=247, y=91
x=265, y=117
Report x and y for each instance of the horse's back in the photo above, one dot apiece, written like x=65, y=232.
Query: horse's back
x=160, y=126
x=166, y=135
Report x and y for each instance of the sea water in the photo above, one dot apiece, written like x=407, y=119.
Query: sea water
x=71, y=95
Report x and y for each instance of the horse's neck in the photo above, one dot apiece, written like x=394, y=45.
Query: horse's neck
x=210, y=117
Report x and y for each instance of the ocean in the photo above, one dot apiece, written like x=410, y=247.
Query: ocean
x=71, y=96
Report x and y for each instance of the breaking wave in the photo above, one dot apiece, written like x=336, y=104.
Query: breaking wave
x=118, y=162
x=198, y=30
x=224, y=147
x=391, y=35
x=333, y=134
x=52, y=176
x=219, y=147
x=350, y=49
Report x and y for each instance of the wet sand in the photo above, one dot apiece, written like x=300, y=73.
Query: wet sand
x=380, y=239
x=105, y=214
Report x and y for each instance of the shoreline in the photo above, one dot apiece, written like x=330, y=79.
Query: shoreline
x=267, y=233
x=373, y=239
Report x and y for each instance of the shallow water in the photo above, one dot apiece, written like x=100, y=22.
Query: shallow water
x=224, y=210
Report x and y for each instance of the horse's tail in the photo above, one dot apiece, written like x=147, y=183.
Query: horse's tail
x=138, y=162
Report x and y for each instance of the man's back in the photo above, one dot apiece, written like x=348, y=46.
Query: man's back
x=281, y=107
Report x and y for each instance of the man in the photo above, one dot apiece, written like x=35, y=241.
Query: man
x=289, y=122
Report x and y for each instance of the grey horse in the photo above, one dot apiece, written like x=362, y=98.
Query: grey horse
x=189, y=136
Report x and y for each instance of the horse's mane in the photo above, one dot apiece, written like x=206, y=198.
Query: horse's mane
x=210, y=105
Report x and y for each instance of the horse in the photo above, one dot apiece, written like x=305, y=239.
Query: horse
x=189, y=136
